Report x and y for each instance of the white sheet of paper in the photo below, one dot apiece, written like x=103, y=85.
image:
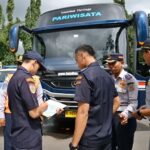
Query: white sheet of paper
x=52, y=107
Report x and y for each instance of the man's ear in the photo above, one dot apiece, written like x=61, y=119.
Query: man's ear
x=82, y=55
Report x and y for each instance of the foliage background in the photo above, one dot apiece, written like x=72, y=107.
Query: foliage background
x=31, y=17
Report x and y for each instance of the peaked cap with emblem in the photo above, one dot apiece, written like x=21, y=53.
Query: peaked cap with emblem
x=114, y=57
x=35, y=56
x=146, y=45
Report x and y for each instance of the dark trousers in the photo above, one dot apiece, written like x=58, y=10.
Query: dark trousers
x=123, y=135
x=100, y=147
x=7, y=132
x=35, y=148
x=99, y=144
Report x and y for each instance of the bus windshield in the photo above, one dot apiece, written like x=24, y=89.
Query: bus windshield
x=63, y=43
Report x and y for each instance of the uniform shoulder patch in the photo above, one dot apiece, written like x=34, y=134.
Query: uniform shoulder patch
x=31, y=84
x=9, y=76
x=79, y=77
x=128, y=76
x=30, y=80
x=36, y=80
x=78, y=80
x=35, y=77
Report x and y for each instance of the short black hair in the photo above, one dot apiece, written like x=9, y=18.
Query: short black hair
x=26, y=59
x=85, y=48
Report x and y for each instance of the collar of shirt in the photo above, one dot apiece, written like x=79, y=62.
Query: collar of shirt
x=121, y=75
x=24, y=70
x=90, y=65
x=93, y=64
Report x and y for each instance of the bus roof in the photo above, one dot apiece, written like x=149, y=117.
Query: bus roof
x=99, y=15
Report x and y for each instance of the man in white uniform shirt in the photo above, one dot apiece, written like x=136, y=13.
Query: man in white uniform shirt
x=124, y=125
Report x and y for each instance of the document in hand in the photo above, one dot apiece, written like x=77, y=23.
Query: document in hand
x=53, y=105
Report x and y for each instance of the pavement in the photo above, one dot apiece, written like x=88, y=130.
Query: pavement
x=142, y=136
x=59, y=140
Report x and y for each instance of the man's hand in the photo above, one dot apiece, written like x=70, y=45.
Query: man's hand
x=71, y=147
x=37, y=112
x=123, y=119
x=2, y=122
x=59, y=111
x=143, y=107
x=43, y=106
x=137, y=114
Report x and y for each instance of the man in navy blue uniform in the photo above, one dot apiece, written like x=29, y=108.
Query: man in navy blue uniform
x=23, y=103
x=97, y=100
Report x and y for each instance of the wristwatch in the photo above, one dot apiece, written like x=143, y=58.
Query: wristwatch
x=73, y=147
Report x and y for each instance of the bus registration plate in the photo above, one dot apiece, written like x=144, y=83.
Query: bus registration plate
x=70, y=114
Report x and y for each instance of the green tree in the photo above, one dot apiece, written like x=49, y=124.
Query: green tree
x=2, y=18
x=10, y=10
x=1, y=15
x=38, y=10
x=131, y=35
x=121, y=2
x=18, y=20
x=5, y=56
x=31, y=17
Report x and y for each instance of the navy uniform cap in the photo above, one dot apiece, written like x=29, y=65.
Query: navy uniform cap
x=114, y=57
x=146, y=45
x=35, y=56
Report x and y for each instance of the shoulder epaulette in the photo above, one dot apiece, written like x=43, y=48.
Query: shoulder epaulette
x=30, y=79
x=79, y=77
x=32, y=85
x=36, y=80
x=9, y=76
x=78, y=80
x=128, y=76
x=35, y=77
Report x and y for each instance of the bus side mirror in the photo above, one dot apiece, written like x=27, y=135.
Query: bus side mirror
x=141, y=27
x=14, y=38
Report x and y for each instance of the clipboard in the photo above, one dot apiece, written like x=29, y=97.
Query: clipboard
x=53, y=105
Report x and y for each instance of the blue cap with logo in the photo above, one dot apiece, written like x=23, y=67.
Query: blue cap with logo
x=114, y=57
x=146, y=45
x=35, y=56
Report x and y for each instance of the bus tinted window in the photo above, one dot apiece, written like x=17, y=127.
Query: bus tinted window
x=63, y=44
